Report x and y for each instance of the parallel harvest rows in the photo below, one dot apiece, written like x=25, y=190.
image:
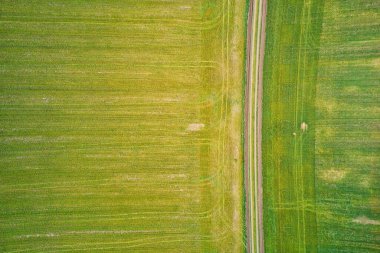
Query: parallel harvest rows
x=120, y=126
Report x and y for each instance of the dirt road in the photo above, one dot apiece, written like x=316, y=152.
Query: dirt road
x=254, y=71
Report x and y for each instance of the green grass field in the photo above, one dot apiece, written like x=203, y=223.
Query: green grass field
x=347, y=124
x=120, y=126
x=290, y=72
x=321, y=191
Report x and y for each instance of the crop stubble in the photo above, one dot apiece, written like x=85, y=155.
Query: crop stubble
x=98, y=106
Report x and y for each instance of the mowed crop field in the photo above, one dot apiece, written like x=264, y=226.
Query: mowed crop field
x=321, y=126
x=120, y=126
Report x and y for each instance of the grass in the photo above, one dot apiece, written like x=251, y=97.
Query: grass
x=290, y=74
x=347, y=139
x=97, y=152
x=320, y=184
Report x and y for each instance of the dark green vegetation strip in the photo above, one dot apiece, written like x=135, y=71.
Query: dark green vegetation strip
x=348, y=120
x=120, y=126
x=290, y=73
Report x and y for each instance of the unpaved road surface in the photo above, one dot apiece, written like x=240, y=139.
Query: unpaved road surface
x=254, y=73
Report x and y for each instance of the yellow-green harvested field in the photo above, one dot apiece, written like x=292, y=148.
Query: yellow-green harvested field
x=120, y=126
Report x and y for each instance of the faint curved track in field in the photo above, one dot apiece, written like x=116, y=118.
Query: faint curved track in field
x=254, y=71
